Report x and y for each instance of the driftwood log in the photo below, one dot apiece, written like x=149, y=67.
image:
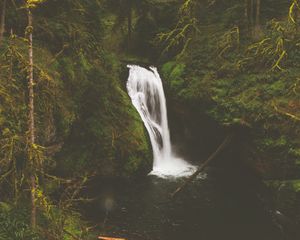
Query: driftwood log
x=110, y=238
x=226, y=141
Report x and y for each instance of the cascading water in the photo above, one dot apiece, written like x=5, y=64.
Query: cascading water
x=147, y=95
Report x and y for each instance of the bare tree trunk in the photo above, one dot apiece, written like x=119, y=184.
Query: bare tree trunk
x=252, y=13
x=246, y=8
x=2, y=23
x=257, y=29
x=129, y=23
x=257, y=19
x=11, y=59
x=31, y=119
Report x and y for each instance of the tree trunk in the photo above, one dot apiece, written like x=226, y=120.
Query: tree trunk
x=2, y=23
x=129, y=23
x=246, y=7
x=257, y=29
x=257, y=19
x=31, y=127
x=11, y=59
x=252, y=13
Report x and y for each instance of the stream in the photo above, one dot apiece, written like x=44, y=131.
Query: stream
x=213, y=207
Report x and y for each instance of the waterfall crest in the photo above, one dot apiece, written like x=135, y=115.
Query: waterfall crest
x=147, y=95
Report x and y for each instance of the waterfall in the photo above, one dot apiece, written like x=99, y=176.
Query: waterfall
x=147, y=95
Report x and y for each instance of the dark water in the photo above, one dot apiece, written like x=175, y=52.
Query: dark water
x=231, y=203
x=221, y=206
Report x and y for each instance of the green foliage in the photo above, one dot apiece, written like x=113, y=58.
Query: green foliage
x=60, y=224
x=13, y=224
x=33, y=3
x=296, y=153
x=107, y=132
x=238, y=77
x=73, y=225
x=290, y=184
x=293, y=9
x=174, y=73
x=286, y=197
x=85, y=123
x=179, y=38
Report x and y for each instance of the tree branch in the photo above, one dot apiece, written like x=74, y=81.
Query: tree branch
x=226, y=141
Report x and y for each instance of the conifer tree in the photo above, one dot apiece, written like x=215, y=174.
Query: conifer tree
x=31, y=4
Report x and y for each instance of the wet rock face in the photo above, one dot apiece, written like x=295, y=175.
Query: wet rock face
x=194, y=135
x=237, y=169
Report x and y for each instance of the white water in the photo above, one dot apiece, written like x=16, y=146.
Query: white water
x=147, y=95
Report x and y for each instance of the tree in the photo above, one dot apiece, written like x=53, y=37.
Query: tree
x=257, y=28
x=125, y=9
x=252, y=17
x=30, y=4
x=129, y=22
x=179, y=38
x=2, y=20
x=31, y=120
x=247, y=14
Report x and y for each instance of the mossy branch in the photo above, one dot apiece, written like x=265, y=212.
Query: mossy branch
x=277, y=64
x=294, y=7
x=290, y=115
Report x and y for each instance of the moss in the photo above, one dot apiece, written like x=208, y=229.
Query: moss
x=266, y=101
x=107, y=135
x=134, y=145
x=173, y=71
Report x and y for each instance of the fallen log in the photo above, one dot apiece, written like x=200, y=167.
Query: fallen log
x=226, y=141
x=110, y=238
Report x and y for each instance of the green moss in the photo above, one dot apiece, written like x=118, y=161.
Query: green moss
x=107, y=135
x=240, y=86
x=174, y=73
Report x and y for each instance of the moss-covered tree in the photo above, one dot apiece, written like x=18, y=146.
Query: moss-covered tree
x=2, y=20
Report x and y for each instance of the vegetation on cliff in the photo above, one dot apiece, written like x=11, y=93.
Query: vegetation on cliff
x=237, y=61
x=241, y=67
